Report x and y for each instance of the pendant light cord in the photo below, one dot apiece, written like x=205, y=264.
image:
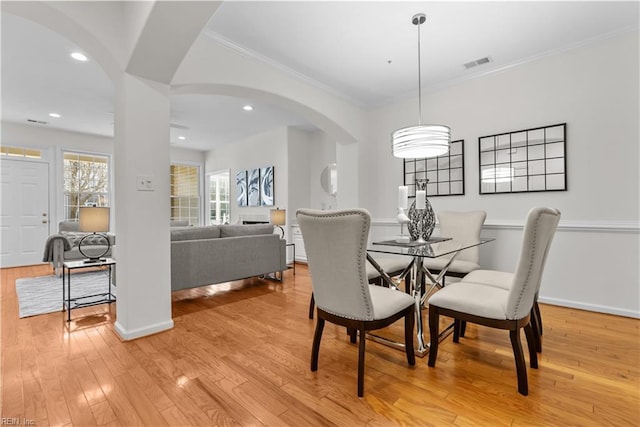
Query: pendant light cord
x=419, y=78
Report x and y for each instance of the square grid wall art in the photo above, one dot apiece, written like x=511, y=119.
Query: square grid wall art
x=527, y=160
x=445, y=173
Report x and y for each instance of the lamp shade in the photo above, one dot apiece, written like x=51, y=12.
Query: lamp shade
x=278, y=216
x=417, y=142
x=94, y=219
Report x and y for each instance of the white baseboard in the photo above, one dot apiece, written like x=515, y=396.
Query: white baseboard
x=141, y=332
x=590, y=307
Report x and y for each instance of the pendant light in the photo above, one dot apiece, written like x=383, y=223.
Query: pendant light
x=420, y=141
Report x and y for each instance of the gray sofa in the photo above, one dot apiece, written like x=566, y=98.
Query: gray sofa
x=222, y=253
x=63, y=246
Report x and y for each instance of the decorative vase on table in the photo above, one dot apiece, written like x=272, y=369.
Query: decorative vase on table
x=422, y=221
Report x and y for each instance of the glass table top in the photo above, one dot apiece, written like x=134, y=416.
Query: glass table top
x=435, y=247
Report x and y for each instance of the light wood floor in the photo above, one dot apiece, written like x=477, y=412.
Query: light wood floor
x=239, y=355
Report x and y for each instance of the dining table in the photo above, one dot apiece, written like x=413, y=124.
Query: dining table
x=422, y=282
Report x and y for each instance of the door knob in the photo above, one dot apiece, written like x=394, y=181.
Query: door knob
x=44, y=221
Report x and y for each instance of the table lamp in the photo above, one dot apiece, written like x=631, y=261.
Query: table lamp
x=278, y=218
x=94, y=220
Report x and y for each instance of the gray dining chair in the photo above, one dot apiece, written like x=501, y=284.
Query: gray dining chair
x=336, y=247
x=496, y=306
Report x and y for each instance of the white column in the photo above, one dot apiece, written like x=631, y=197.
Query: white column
x=141, y=153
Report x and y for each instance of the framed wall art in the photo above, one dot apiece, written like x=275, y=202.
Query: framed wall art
x=445, y=173
x=241, y=188
x=253, y=187
x=266, y=186
x=528, y=160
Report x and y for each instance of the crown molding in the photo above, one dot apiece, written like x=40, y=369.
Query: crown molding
x=443, y=84
x=251, y=54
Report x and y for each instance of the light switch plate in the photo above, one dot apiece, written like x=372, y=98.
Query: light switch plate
x=144, y=183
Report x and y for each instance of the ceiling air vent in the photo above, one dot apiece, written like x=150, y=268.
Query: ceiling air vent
x=477, y=62
x=37, y=122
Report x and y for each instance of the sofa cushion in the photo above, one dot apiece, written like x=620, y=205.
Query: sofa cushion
x=245, y=230
x=193, y=233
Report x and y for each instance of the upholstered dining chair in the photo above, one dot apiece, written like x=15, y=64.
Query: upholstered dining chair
x=504, y=280
x=393, y=266
x=497, y=306
x=462, y=227
x=336, y=246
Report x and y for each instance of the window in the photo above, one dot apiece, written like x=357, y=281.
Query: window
x=20, y=152
x=86, y=182
x=219, y=211
x=185, y=193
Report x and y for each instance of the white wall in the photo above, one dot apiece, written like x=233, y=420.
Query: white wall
x=183, y=155
x=594, y=89
x=323, y=153
x=300, y=160
x=265, y=149
x=54, y=141
x=212, y=68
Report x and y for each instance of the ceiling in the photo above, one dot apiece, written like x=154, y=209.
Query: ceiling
x=364, y=52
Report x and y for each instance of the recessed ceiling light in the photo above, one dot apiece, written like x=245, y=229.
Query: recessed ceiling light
x=247, y=108
x=79, y=56
x=182, y=138
x=56, y=115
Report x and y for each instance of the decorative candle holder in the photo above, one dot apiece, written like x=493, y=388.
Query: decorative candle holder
x=402, y=220
x=421, y=221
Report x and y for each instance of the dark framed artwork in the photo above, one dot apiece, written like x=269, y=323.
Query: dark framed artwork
x=253, y=187
x=266, y=186
x=529, y=160
x=445, y=173
x=241, y=188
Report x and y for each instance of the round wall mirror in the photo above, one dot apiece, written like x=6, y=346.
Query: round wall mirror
x=329, y=179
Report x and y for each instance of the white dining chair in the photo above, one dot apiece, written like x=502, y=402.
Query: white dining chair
x=391, y=265
x=496, y=306
x=336, y=246
x=463, y=227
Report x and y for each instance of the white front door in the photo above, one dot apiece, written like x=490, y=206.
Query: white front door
x=24, y=212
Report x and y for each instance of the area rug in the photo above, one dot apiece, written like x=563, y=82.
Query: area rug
x=40, y=295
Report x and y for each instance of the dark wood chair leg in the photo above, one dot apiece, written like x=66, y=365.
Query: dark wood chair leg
x=538, y=325
x=317, y=336
x=434, y=331
x=463, y=328
x=532, y=344
x=409, y=320
x=361, y=362
x=312, y=304
x=456, y=330
x=521, y=368
x=353, y=334
x=534, y=326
